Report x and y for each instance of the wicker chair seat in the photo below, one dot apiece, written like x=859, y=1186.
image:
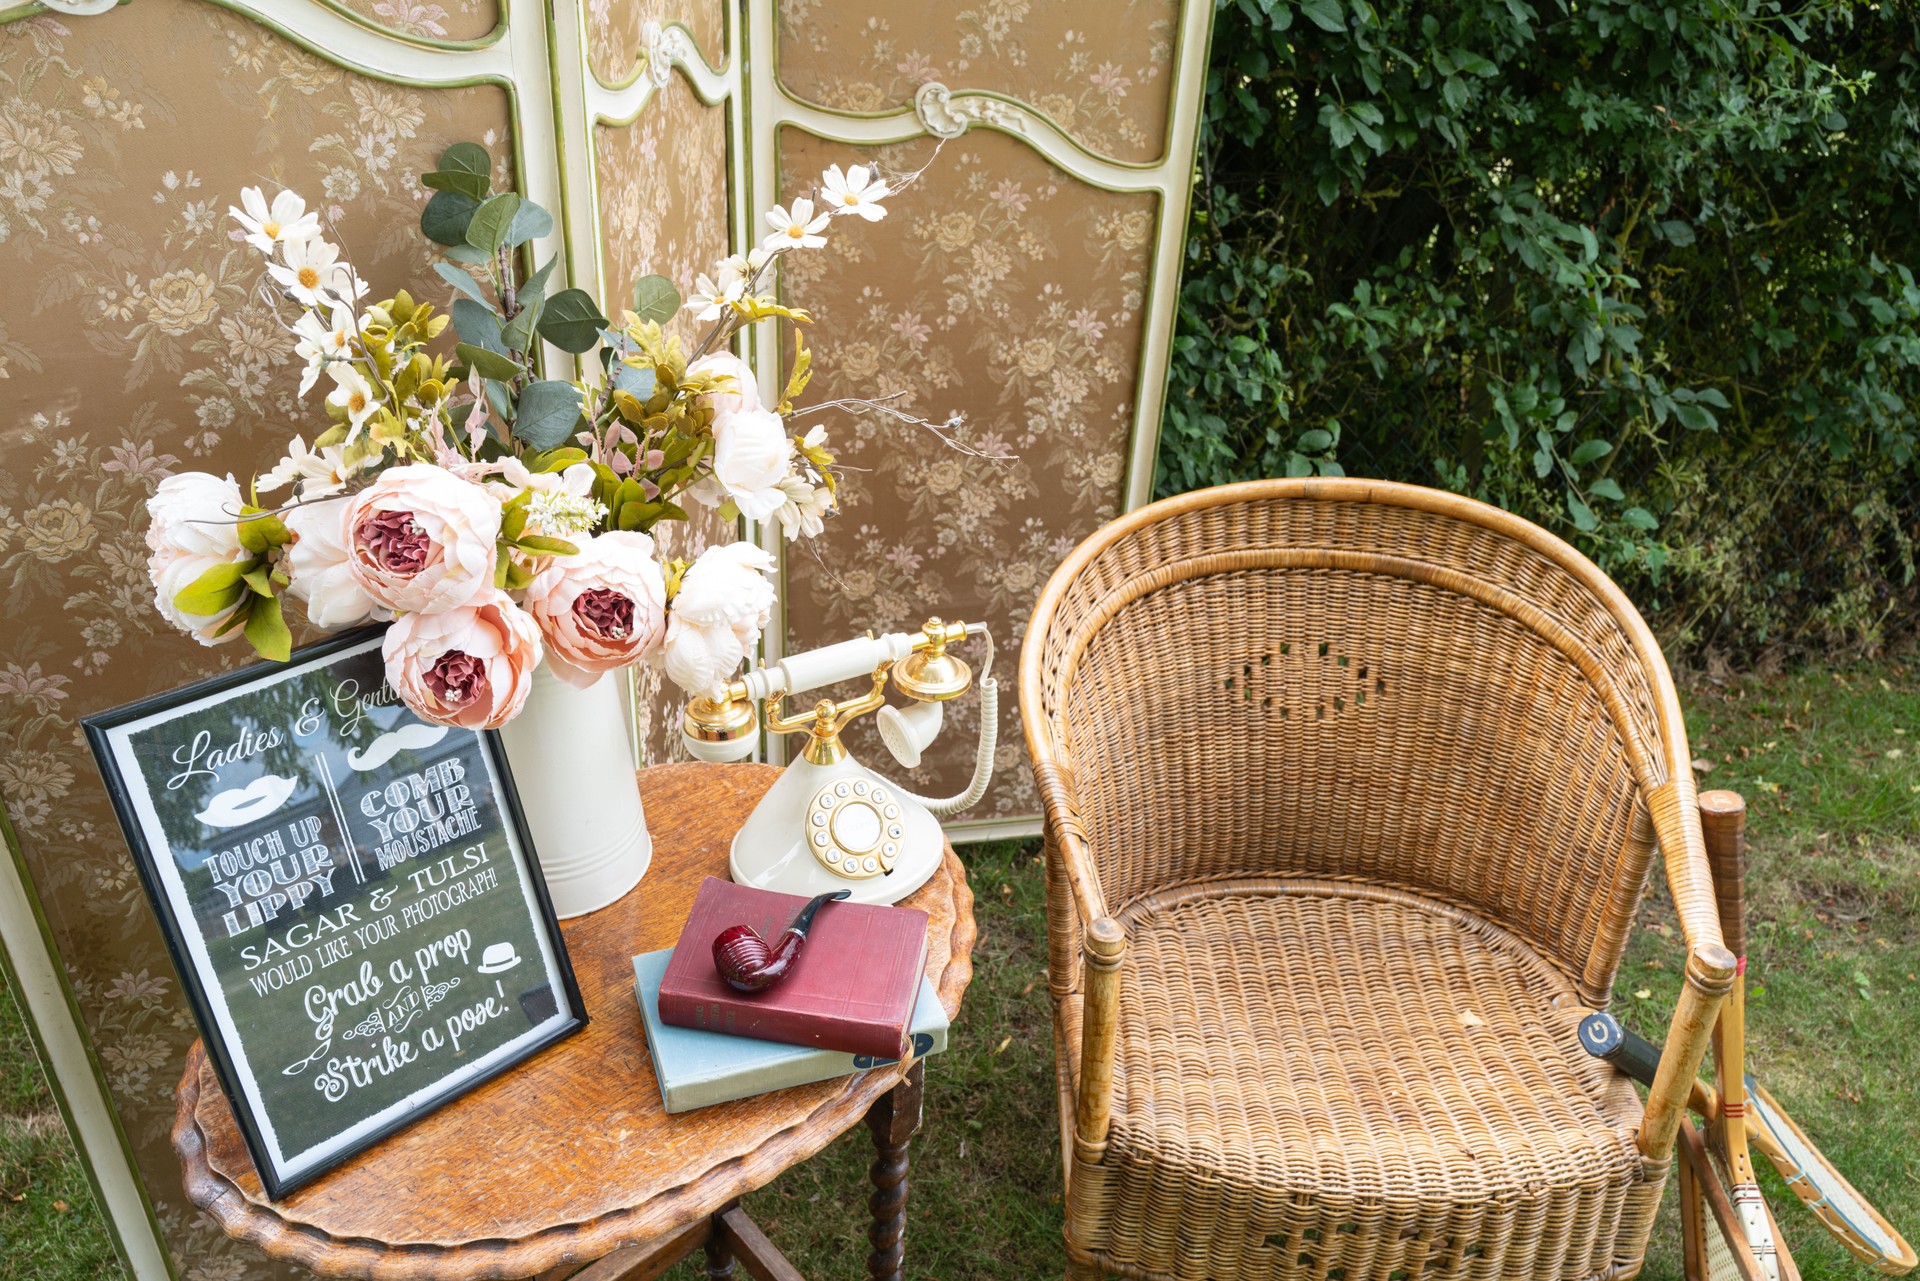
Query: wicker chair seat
x=1351, y=794
x=1350, y=1081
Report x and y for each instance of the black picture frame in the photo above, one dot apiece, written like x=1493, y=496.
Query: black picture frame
x=108, y=734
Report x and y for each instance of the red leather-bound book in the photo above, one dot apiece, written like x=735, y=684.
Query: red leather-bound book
x=852, y=988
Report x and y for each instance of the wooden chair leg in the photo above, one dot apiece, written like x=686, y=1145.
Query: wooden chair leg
x=720, y=1248
x=894, y=1121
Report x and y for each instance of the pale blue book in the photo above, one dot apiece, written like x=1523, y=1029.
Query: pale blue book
x=698, y=1069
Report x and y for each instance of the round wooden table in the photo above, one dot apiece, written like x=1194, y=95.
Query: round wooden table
x=567, y=1166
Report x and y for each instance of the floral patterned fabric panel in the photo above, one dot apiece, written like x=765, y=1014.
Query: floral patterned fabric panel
x=1098, y=69
x=440, y=20
x=614, y=46
x=133, y=345
x=676, y=229
x=1012, y=294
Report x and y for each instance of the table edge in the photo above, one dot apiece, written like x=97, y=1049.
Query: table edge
x=505, y=1259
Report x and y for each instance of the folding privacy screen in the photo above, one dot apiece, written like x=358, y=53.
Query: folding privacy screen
x=1026, y=282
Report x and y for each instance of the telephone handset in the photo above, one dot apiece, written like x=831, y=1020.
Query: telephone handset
x=829, y=822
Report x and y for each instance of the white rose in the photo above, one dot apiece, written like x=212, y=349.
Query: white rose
x=725, y=600
x=192, y=530
x=745, y=392
x=316, y=563
x=750, y=458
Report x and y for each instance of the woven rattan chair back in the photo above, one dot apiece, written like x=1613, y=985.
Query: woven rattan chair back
x=1349, y=686
x=1351, y=791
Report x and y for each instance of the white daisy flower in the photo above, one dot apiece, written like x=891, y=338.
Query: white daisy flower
x=795, y=227
x=353, y=393
x=854, y=192
x=738, y=270
x=313, y=273
x=803, y=514
x=319, y=471
x=323, y=339
x=709, y=301
x=284, y=221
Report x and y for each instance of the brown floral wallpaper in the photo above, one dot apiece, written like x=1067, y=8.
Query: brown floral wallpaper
x=1100, y=72
x=675, y=228
x=132, y=346
x=1002, y=288
x=440, y=20
x=614, y=27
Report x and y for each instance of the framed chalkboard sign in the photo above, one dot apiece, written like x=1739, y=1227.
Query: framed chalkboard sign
x=349, y=895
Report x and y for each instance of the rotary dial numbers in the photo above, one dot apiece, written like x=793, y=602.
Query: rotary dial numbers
x=854, y=829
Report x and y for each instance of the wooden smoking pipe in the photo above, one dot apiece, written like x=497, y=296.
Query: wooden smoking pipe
x=748, y=964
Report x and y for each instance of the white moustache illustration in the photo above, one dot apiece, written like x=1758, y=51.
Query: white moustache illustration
x=387, y=746
x=238, y=805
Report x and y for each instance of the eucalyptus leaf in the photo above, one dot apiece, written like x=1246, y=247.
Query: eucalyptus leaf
x=491, y=222
x=489, y=364
x=548, y=412
x=447, y=217
x=572, y=321
x=465, y=167
x=465, y=157
x=498, y=401
x=518, y=332
x=638, y=382
x=463, y=281
x=478, y=324
x=535, y=286
x=472, y=186
x=464, y=253
x=530, y=222
x=655, y=299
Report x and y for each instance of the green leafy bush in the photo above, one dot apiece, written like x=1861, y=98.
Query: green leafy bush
x=1640, y=272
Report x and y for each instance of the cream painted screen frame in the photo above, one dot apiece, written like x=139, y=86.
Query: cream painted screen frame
x=538, y=54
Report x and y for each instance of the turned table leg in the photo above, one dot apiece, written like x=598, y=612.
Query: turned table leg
x=720, y=1246
x=893, y=1120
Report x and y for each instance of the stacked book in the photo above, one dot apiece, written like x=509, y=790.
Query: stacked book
x=857, y=997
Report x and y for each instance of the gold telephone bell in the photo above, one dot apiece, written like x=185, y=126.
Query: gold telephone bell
x=829, y=822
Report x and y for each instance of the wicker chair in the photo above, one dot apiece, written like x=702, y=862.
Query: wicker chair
x=1351, y=791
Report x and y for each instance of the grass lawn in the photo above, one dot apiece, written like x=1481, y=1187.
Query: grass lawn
x=1830, y=763
x=49, y=1229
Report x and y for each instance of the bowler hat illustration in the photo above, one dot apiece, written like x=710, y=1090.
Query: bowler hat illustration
x=498, y=957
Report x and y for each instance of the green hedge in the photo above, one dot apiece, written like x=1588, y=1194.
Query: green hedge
x=1642, y=273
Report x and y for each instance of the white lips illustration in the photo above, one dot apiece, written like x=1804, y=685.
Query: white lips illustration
x=388, y=745
x=239, y=805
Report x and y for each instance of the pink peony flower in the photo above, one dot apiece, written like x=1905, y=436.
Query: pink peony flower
x=601, y=609
x=192, y=530
x=725, y=600
x=470, y=667
x=745, y=393
x=320, y=572
x=421, y=540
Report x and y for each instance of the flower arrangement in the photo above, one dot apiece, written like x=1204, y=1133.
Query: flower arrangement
x=496, y=517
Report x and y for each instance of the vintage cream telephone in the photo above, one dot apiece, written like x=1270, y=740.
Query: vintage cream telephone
x=830, y=822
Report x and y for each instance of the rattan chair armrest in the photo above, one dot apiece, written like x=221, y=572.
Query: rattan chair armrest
x=1674, y=808
x=1062, y=810
x=1104, y=948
